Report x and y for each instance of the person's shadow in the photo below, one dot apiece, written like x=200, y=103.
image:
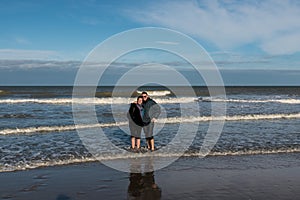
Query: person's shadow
x=143, y=186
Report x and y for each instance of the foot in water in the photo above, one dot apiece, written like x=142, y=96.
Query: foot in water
x=152, y=149
x=141, y=150
x=134, y=150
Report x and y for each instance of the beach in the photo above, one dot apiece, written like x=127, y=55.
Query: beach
x=44, y=154
x=271, y=176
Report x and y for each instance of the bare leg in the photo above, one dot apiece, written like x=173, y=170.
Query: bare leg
x=138, y=143
x=152, y=144
x=132, y=142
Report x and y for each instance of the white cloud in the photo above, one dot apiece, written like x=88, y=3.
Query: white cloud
x=20, y=54
x=35, y=64
x=272, y=25
x=285, y=44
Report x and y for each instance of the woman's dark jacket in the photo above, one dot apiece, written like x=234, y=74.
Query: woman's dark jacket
x=134, y=115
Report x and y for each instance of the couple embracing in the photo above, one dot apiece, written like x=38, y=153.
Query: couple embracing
x=142, y=114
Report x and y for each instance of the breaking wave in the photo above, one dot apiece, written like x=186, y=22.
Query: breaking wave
x=122, y=100
x=171, y=120
x=96, y=101
x=37, y=164
x=157, y=93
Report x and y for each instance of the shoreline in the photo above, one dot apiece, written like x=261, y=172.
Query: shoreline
x=214, y=177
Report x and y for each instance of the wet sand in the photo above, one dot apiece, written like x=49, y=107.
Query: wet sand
x=274, y=176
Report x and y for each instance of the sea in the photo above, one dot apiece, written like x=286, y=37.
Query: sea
x=37, y=127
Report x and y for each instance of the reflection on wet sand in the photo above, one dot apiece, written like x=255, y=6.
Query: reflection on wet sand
x=142, y=185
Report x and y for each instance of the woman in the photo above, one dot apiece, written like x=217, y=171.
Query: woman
x=135, y=116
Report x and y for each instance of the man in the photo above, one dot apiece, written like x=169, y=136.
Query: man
x=151, y=113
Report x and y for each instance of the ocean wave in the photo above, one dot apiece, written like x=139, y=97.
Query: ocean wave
x=45, y=129
x=96, y=101
x=282, y=101
x=123, y=100
x=232, y=118
x=17, y=115
x=38, y=164
x=3, y=92
x=157, y=93
x=34, y=165
x=170, y=120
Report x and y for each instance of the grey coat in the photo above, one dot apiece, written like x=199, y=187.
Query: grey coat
x=152, y=110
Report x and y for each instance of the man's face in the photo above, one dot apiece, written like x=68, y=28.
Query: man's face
x=145, y=97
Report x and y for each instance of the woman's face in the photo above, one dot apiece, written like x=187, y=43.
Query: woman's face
x=140, y=101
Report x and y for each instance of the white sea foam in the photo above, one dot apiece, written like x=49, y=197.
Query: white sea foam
x=157, y=93
x=38, y=164
x=232, y=118
x=122, y=100
x=95, y=101
x=171, y=120
x=254, y=152
x=42, y=129
x=283, y=101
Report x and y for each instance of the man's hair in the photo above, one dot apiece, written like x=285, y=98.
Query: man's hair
x=144, y=92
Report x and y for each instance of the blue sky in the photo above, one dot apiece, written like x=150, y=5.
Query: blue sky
x=44, y=42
